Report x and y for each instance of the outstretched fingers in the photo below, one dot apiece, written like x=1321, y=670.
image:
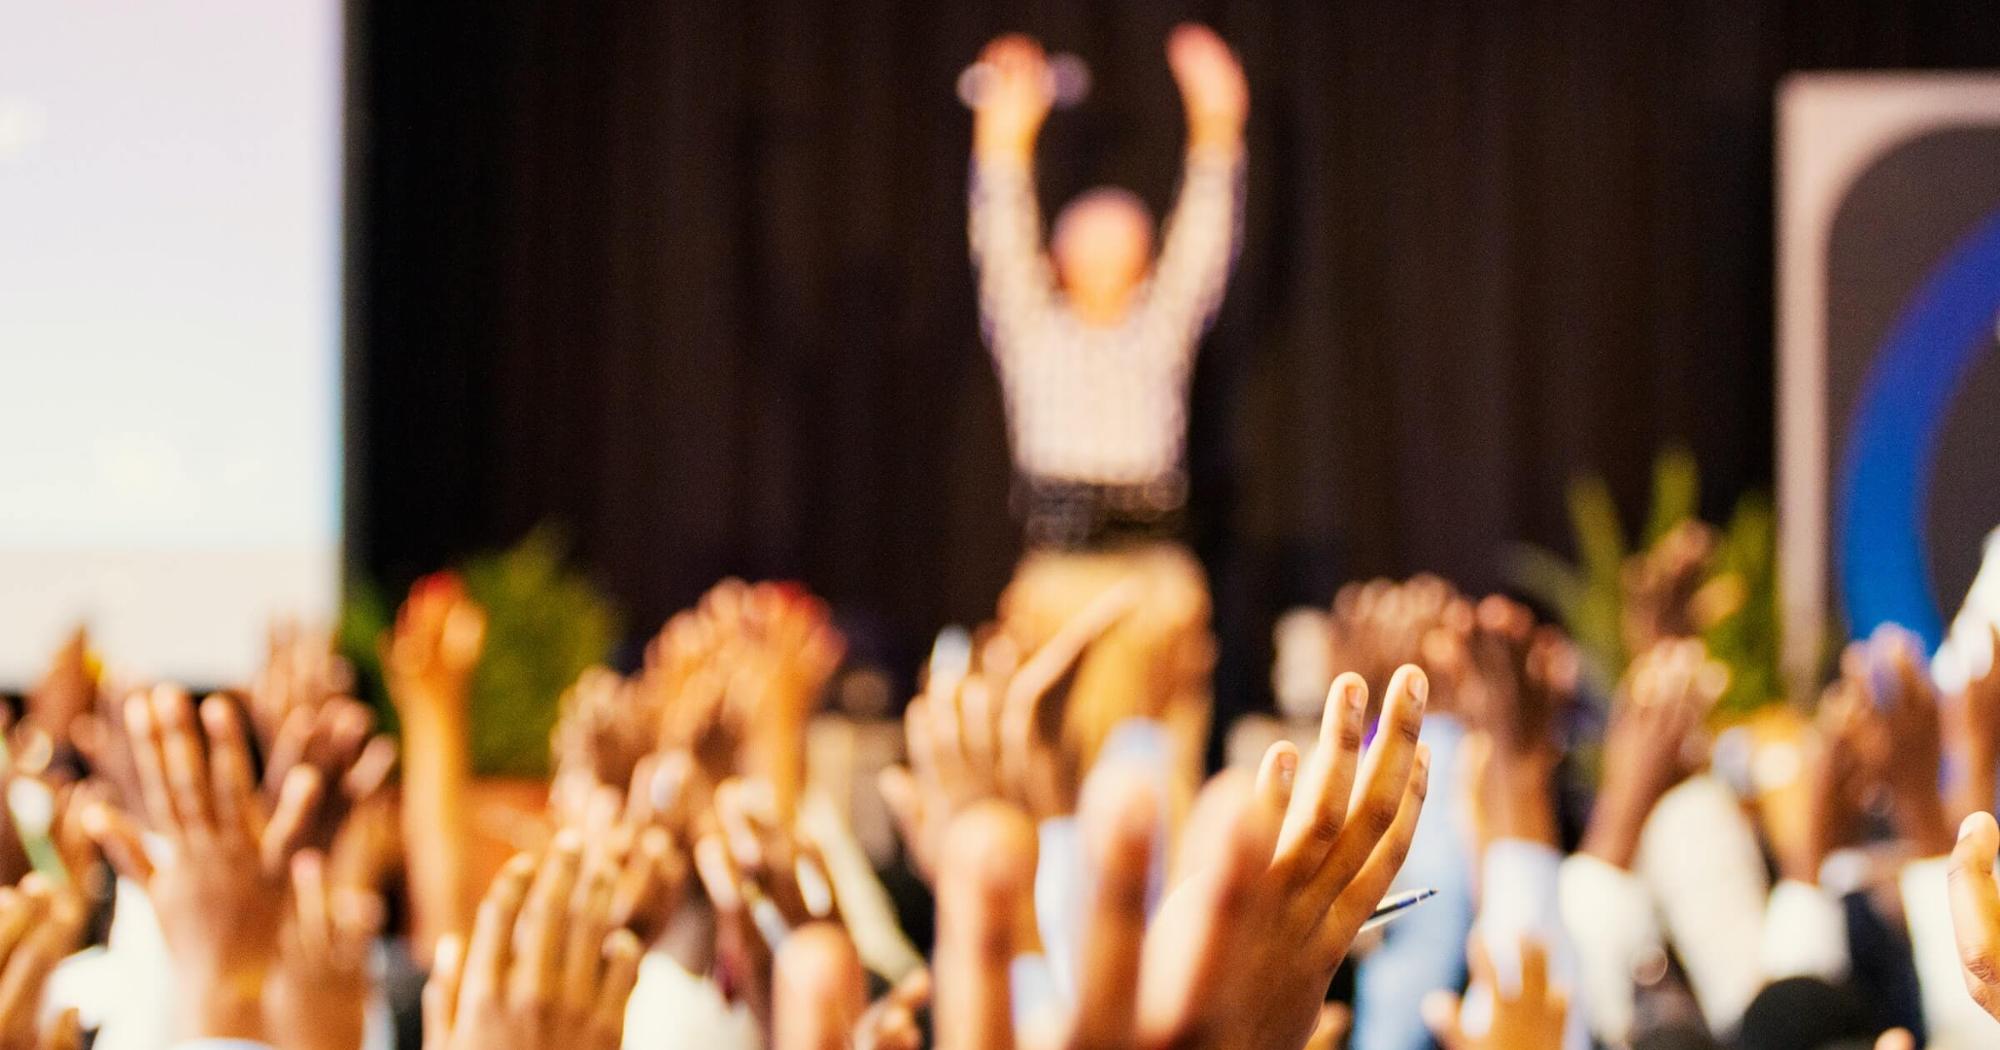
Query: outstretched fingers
x=482, y=975
x=238, y=813
x=1318, y=809
x=1385, y=783
x=1357, y=898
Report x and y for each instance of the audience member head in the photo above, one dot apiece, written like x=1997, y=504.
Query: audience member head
x=1805, y=1013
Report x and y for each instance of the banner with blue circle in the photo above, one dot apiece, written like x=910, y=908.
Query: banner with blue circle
x=1883, y=479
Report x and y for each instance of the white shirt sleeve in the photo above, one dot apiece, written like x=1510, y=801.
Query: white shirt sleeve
x=1520, y=886
x=1805, y=934
x=1198, y=248
x=1004, y=230
x=1699, y=857
x=1954, y=1021
x=1609, y=916
x=1059, y=882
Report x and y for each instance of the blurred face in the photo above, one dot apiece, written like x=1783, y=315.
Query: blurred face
x=1102, y=245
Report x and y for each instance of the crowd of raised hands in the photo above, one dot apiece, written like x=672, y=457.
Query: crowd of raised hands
x=1619, y=870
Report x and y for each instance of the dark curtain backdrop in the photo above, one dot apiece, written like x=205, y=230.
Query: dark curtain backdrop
x=690, y=279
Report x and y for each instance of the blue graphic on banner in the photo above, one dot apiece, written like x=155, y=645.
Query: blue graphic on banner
x=1884, y=479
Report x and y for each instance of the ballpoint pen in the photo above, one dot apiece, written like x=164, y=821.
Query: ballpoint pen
x=1393, y=907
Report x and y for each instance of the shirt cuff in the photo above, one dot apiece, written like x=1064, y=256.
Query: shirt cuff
x=1609, y=916
x=1039, y=1005
x=1519, y=881
x=1805, y=934
x=1059, y=881
x=1700, y=858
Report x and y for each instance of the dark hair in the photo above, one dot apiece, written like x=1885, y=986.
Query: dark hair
x=1805, y=1013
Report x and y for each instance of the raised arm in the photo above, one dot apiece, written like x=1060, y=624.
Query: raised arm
x=1005, y=224
x=1202, y=232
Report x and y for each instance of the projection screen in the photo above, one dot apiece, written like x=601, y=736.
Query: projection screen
x=170, y=307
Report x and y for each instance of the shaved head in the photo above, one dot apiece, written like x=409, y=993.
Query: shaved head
x=1102, y=244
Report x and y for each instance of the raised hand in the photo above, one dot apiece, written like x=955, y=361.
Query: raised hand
x=635, y=835
x=1975, y=909
x=736, y=678
x=1213, y=88
x=545, y=967
x=1839, y=770
x=67, y=691
x=764, y=880
x=996, y=732
x=219, y=884
x=301, y=669
x=1899, y=687
x=608, y=726
x=317, y=994
x=336, y=738
x=1339, y=825
x=1667, y=693
x=430, y=654
x=428, y=660
x=1660, y=584
x=1015, y=101
x=1529, y=1017
x=39, y=925
x=1380, y=624
x=1513, y=680
x=1241, y=951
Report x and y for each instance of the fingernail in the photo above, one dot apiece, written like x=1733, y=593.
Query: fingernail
x=1965, y=826
x=1288, y=768
x=1420, y=688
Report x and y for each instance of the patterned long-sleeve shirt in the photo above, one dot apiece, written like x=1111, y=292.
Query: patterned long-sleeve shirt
x=1098, y=404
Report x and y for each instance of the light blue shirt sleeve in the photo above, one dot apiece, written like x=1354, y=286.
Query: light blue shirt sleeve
x=1424, y=951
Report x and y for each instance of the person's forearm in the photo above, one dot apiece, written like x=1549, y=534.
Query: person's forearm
x=1524, y=806
x=992, y=143
x=1613, y=834
x=1004, y=231
x=221, y=1006
x=1923, y=822
x=1977, y=783
x=437, y=774
x=1217, y=143
x=1200, y=242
